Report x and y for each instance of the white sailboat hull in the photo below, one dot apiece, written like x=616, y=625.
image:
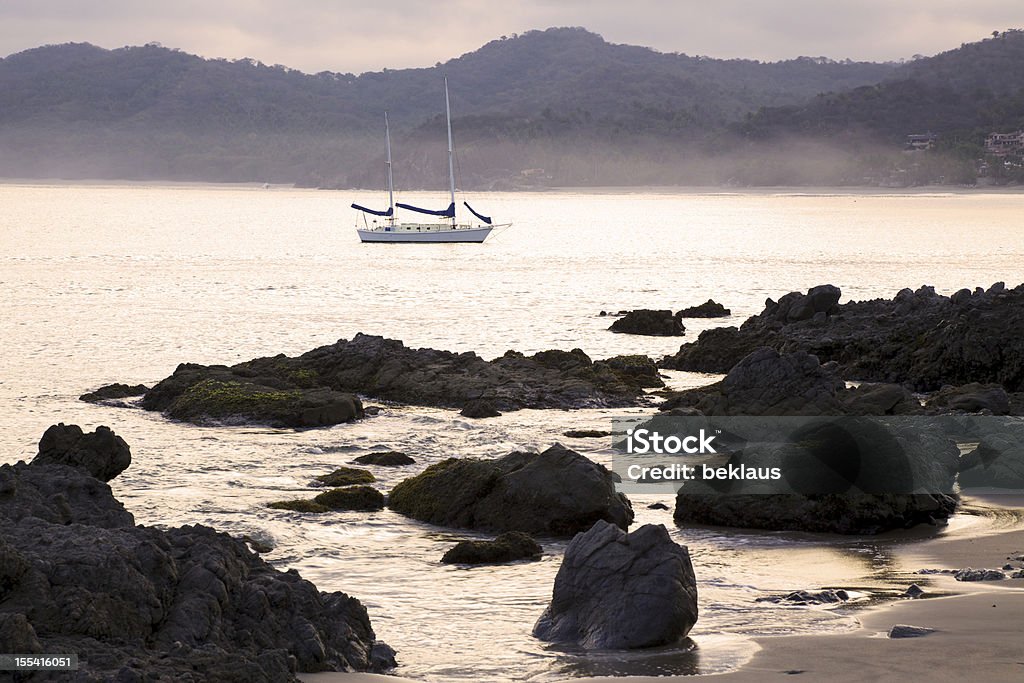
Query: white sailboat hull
x=433, y=233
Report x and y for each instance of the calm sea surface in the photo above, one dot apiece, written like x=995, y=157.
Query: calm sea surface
x=106, y=283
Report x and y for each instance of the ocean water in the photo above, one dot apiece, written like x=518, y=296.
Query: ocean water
x=106, y=283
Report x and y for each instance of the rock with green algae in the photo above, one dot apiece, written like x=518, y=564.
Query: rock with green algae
x=385, y=459
x=346, y=476
x=558, y=492
x=202, y=395
x=359, y=498
x=298, y=505
x=508, y=547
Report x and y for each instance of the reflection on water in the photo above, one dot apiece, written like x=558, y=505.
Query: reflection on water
x=109, y=283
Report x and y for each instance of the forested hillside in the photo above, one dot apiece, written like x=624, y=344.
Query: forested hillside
x=554, y=107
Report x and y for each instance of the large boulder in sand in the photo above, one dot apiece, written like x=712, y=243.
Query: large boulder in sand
x=139, y=603
x=558, y=492
x=848, y=476
x=650, y=322
x=620, y=591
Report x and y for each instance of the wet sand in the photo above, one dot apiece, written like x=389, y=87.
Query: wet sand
x=979, y=631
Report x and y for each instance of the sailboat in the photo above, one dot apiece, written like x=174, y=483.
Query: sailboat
x=449, y=230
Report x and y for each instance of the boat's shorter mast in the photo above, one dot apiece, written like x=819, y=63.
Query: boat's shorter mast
x=451, y=163
x=391, y=179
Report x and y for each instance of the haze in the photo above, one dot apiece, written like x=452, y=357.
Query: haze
x=345, y=36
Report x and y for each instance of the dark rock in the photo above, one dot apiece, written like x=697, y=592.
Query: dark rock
x=558, y=492
x=657, y=506
x=645, y=321
x=1019, y=574
x=1008, y=567
x=385, y=459
x=879, y=399
x=998, y=460
x=360, y=498
x=298, y=505
x=708, y=309
x=479, y=408
x=101, y=453
x=837, y=513
x=142, y=603
x=636, y=370
x=920, y=339
x=346, y=476
x=113, y=392
x=203, y=395
x=586, y=433
x=971, y=574
x=973, y=398
x=906, y=631
x=317, y=387
x=508, y=547
x=767, y=383
x=621, y=591
x=914, y=591
x=804, y=597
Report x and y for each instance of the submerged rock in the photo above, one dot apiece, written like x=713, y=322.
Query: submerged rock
x=183, y=604
x=385, y=459
x=508, y=547
x=298, y=505
x=586, y=433
x=113, y=392
x=708, y=309
x=650, y=322
x=479, y=408
x=346, y=476
x=621, y=591
x=918, y=338
x=804, y=597
x=558, y=492
x=318, y=387
x=358, y=498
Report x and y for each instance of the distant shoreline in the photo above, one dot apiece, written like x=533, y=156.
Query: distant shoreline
x=766, y=190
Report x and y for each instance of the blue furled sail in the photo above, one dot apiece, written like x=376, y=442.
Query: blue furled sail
x=447, y=213
x=375, y=213
x=485, y=219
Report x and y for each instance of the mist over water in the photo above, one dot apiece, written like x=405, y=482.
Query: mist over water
x=108, y=283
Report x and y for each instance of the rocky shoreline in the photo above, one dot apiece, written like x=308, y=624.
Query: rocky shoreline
x=320, y=387
x=141, y=603
x=919, y=339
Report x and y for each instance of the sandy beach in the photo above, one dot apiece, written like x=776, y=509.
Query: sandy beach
x=978, y=629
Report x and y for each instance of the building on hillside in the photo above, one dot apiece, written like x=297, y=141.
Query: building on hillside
x=918, y=141
x=1005, y=144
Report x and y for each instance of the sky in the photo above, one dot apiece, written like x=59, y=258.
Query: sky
x=348, y=36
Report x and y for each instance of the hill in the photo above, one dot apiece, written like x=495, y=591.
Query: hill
x=555, y=107
x=78, y=110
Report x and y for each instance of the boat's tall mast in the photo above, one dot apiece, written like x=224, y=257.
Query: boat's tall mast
x=391, y=179
x=451, y=164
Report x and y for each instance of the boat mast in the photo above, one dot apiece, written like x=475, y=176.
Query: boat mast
x=451, y=165
x=391, y=179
